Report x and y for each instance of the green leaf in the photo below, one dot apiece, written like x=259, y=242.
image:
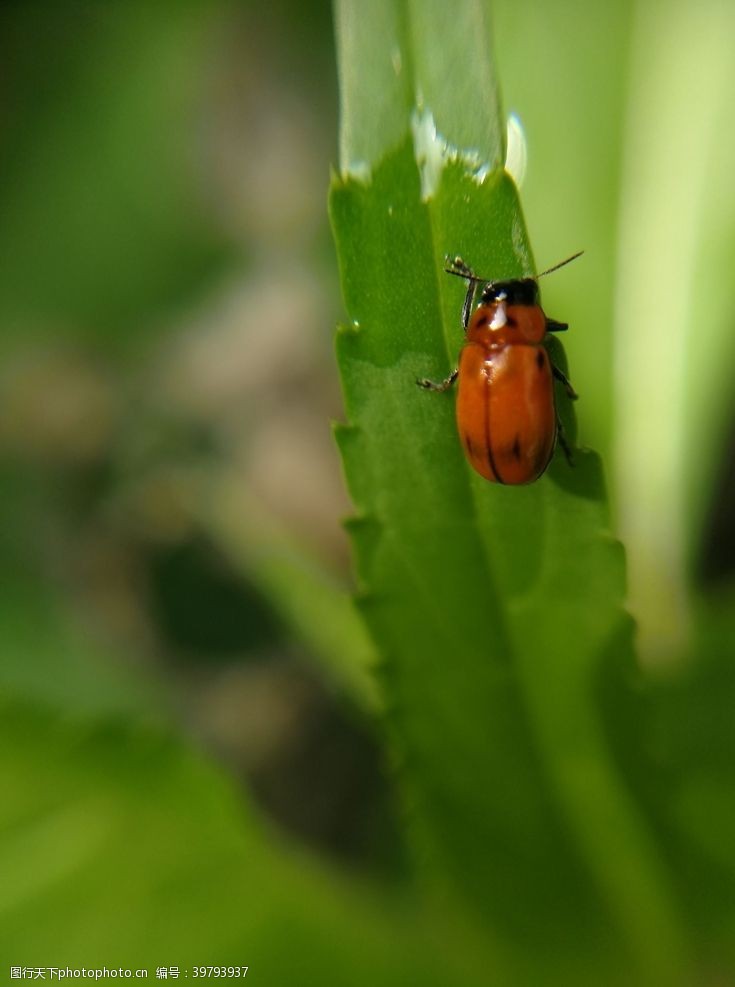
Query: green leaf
x=396, y=54
x=494, y=607
x=374, y=95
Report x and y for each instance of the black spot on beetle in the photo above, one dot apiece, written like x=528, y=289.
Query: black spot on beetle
x=468, y=445
x=481, y=321
x=540, y=361
x=517, y=448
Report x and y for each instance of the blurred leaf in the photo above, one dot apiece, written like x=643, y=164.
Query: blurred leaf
x=45, y=656
x=674, y=307
x=46, y=659
x=103, y=221
x=121, y=848
x=305, y=595
x=690, y=750
x=492, y=606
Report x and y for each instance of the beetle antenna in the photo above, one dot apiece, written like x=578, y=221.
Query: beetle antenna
x=560, y=264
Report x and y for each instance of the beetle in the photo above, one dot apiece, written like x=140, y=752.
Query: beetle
x=506, y=411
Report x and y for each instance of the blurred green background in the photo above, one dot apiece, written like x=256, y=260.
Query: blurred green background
x=167, y=296
x=172, y=559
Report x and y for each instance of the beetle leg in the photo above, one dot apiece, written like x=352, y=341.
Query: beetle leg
x=563, y=441
x=564, y=381
x=553, y=326
x=469, y=301
x=455, y=265
x=431, y=385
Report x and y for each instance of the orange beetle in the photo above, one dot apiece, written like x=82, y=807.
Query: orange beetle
x=506, y=412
